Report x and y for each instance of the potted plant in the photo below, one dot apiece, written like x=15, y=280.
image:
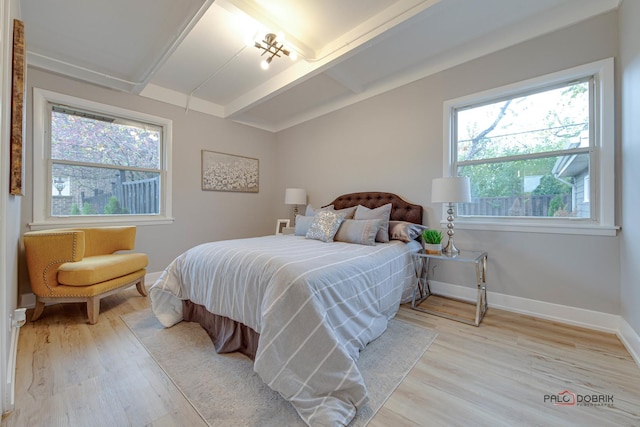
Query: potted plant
x=432, y=241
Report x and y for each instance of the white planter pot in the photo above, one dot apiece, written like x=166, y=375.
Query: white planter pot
x=433, y=248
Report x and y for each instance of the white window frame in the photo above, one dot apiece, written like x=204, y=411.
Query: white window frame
x=602, y=159
x=586, y=197
x=42, y=198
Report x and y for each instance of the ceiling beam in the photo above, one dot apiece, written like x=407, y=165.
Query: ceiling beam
x=350, y=82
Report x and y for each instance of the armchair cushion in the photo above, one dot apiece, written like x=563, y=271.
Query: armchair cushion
x=100, y=289
x=96, y=269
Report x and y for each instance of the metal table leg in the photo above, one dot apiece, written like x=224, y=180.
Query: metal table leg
x=422, y=291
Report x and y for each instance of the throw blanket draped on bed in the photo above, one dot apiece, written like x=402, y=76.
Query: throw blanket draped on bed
x=314, y=304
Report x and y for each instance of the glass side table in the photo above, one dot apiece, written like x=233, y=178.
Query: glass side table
x=422, y=290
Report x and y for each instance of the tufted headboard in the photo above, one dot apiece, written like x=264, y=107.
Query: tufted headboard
x=400, y=211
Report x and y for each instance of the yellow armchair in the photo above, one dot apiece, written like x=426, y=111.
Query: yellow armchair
x=80, y=265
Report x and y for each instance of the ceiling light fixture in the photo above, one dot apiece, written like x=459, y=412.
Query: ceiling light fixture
x=272, y=47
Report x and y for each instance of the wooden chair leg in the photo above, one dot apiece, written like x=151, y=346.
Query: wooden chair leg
x=93, y=309
x=37, y=312
x=140, y=286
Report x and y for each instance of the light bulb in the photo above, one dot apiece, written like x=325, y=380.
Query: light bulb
x=264, y=65
x=293, y=55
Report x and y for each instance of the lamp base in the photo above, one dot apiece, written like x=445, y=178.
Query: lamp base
x=450, y=249
x=295, y=214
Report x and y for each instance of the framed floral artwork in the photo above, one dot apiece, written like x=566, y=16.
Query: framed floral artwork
x=228, y=172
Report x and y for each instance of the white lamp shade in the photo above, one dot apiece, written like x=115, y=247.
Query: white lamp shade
x=295, y=196
x=451, y=190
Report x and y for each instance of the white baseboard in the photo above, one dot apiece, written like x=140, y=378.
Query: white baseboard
x=589, y=319
x=630, y=339
x=558, y=313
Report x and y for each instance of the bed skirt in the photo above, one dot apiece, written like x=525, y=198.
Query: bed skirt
x=227, y=335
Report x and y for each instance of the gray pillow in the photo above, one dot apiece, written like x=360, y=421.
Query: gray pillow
x=324, y=226
x=383, y=213
x=311, y=211
x=348, y=212
x=360, y=231
x=302, y=224
x=405, y=231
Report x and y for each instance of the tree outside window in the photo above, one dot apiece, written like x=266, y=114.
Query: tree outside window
x=111, y=166
x=526, y=155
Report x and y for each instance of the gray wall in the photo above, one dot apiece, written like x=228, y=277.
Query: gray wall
x=200, y=216
x=394, y=142
x=630, y=101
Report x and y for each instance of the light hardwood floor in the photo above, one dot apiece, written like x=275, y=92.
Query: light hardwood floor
x=71, y=373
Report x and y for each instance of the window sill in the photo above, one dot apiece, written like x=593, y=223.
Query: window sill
x=94, y=222
x=579, y=228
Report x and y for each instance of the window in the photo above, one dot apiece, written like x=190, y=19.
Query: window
x=98, y=164
x=532, y=151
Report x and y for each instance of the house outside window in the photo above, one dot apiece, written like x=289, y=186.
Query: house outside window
x=533, y=150
x=102, y=164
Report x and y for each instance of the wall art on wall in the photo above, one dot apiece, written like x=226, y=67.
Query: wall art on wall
x=17, y=110
x=228, y=172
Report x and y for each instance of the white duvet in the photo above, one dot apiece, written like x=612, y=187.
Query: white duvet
x=314, y=304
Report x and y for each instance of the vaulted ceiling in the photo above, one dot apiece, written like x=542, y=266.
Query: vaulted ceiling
x=193, y=53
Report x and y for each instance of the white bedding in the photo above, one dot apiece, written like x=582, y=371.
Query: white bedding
x=314, y=304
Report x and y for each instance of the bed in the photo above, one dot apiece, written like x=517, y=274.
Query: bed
x=301, y=308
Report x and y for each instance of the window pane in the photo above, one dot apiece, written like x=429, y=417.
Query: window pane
x=544, y=187
x=551, y=120
x=82, y=190
x=92, y=139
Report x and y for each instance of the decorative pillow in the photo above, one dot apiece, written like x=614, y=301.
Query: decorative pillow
x=302, y=224
x=383, y=213
x=405, y=231
x=324, y=226
x=360, y=231
x=311, y=211
x=348, y=212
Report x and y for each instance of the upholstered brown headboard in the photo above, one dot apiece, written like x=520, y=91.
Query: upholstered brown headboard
x=400, y=211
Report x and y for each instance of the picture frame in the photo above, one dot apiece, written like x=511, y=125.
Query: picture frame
x=16, y=169
x=281, y=224
x=230, y=172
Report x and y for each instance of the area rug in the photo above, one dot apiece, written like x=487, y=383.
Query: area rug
x=226, y=392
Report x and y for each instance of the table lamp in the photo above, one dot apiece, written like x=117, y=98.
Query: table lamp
x=450, y=190
x=295, y=197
